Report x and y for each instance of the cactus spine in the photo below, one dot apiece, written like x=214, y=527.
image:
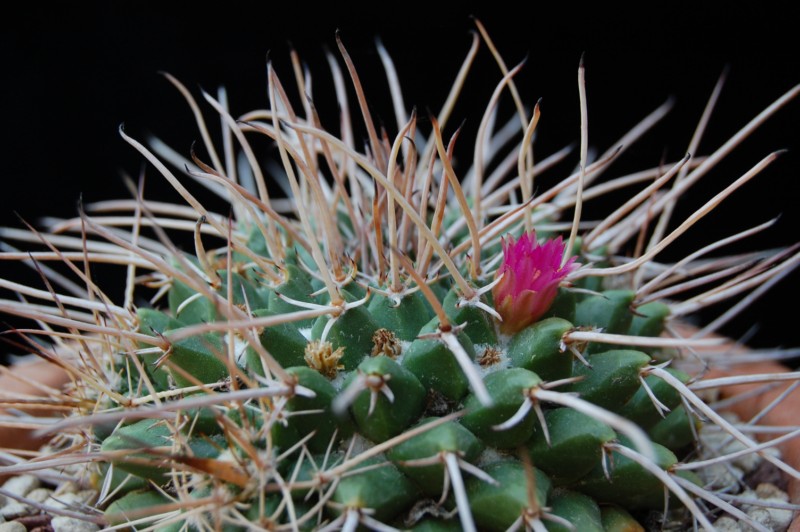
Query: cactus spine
x=402, y=344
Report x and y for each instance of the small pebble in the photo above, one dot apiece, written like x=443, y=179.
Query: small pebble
x=712, y=442
x=720, y=475
x=70, y=524
x=762, y=517
x=779, y=519
x=771, y=491
x=727, y=524
x=39, y=494
x=72, y=501
x=67, y=487
x=15, y=509
x=12, y=526
x=21, y=485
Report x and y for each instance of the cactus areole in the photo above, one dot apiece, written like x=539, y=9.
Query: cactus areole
x=405, y=343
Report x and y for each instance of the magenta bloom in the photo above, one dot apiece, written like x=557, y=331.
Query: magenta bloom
x=531, y=275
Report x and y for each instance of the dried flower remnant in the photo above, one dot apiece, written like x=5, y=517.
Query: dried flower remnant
x=489, y=357
x=531, y=273
x=321, y=356
x=385, y=342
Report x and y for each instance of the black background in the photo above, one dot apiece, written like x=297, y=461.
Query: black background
x=72, y=75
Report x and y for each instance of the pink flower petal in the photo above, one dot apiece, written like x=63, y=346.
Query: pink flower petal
x=531, y=274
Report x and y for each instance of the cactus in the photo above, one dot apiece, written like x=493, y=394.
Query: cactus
x=404, y=343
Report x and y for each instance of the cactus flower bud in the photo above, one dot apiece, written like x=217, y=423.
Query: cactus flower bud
x=531, y=275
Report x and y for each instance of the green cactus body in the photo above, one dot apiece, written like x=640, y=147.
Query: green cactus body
x=609, y=311
x=497, y=507
x=406, y=319
x=563, y=305
x=154, y=322
x=156, y=436
x=575, y=447
x=198, y=359
x=611, y=378
x=389, y=417
x=640, y=408
x=121, y=481
x=453, y=368
x=305, y=471
x=243, y=292
x=580, y=510
x=677, y=430
x=538, y=348
x=477, y=324
x=629, y=484
x=447, y=438
x=617, y=518
x=133, y=505
x=283, y=341
x=322, y=422
x=648, y=319
x=352, y=330
x=434, y=365
x=271, y=511
x=508, y=389
x=384, y=490
x=187, y=307
x=296, y=285
x=202, y=421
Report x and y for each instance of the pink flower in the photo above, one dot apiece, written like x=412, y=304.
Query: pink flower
x=531, y=275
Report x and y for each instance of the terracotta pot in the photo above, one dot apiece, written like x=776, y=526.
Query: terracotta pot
x=16, y=382
x=786, y=413
x=783, y=414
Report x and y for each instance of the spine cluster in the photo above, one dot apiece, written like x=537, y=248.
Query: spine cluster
x=400, y=343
